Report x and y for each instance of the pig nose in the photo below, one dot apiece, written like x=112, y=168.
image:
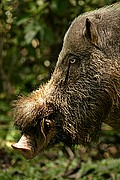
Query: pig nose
x=25, y=147
x=27, y=152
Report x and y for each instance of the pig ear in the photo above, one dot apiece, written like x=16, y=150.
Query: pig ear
x=90, y=32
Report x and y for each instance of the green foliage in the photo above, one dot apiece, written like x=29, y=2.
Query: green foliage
x=52, y=168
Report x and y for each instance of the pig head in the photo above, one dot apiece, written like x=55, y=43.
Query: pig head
x=84, y=89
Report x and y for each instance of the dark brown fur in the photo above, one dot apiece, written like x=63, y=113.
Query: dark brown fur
x=84, y=90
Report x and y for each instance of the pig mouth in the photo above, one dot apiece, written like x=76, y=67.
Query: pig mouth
x=28, y=151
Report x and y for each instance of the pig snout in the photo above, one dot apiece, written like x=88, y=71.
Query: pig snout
x=24, y=147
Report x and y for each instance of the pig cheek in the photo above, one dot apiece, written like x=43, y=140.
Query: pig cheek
x=49, y=136
x=40, y=142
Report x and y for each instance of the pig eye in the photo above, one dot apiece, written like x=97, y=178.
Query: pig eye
x=72, y=61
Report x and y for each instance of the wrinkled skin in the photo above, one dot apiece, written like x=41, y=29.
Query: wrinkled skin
x=83, y=91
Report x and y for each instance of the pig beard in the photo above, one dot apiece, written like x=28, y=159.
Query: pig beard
x=83, y=110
